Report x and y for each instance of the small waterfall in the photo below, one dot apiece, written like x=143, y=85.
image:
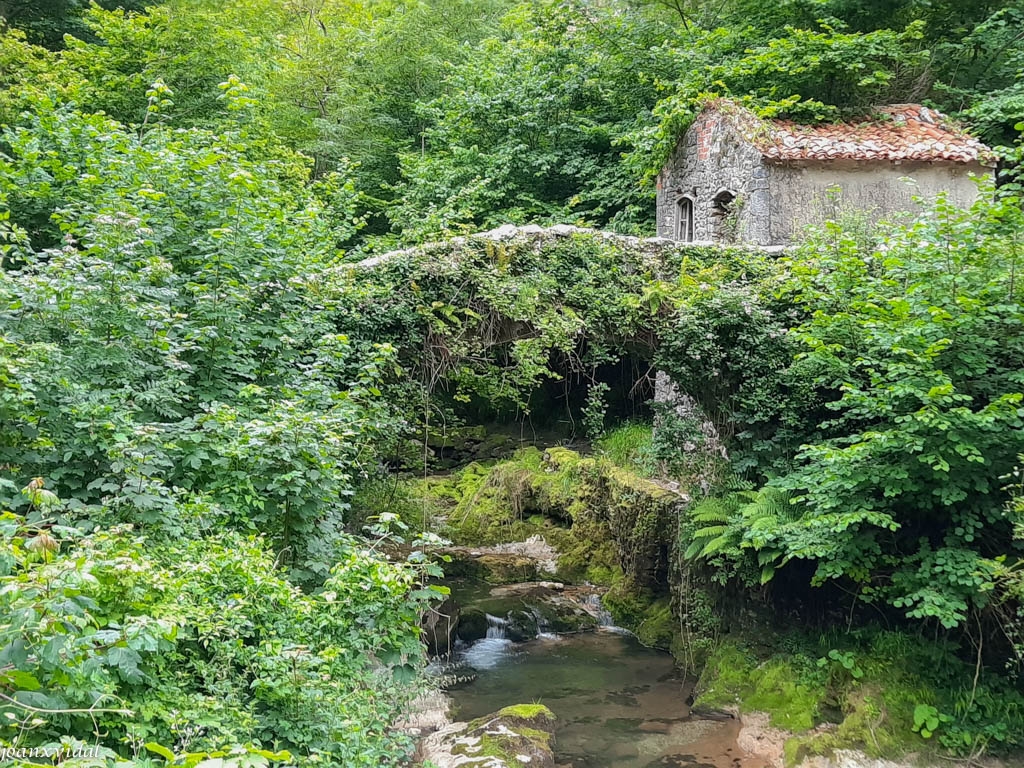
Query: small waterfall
x=604, y=618
x=489, y=651
x=495, y=627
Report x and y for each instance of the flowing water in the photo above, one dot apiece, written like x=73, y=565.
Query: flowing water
x=617, y=704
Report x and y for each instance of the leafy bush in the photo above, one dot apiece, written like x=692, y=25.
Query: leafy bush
x=200, y=646
x=169, y=373
x=911, y=347
x=168, y=338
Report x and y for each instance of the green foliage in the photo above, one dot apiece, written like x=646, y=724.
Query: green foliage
x=629, y=446
x=893, y=409
x=159, y=302
x=809, y=74
x=923, y=419
x=595, y=409
x=528, y=127
x=48, y=21
x=206, y=383
x=168, y=369
x=463, y=115
x=516, y=313
x=844, y=660
x=737, y=534
x=927, y=720
x=201, y=643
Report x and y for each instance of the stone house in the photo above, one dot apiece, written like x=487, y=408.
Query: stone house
x=734, y=177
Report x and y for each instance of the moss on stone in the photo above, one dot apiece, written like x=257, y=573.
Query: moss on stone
x=778, y=690
x=564, y=618
x=658, y=627
x=872, y=712
x=648, y=616
x=734, y=677
x=456, y=437
x=868, y=724
x=791, y=753
x=528, y=712
x=726, y=677
x=520, y=729
x=506, y=568
x=607, y=523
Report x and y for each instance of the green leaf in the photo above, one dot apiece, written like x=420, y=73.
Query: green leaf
x=161, y=750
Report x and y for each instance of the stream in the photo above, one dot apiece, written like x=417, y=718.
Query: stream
x=617, y=703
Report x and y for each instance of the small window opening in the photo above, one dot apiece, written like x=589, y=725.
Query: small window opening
x=721, y=205
x=723, y=215
x=684, y=220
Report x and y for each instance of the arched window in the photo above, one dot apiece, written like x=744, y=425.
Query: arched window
x=722, y=202
x=684, y=219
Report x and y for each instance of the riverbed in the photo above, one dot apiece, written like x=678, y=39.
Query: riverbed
x=617, y=704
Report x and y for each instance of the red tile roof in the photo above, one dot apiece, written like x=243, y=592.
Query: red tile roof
x=898, y=132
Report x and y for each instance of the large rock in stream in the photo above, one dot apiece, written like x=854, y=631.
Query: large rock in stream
x=513, y=737
x=529, y=609
x=502, y=563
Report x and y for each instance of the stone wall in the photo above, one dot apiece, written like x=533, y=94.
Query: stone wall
x=712, y=156
x=813, y=192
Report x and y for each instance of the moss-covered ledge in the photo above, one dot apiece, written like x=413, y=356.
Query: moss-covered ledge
x=822, y=705
x=608, y=523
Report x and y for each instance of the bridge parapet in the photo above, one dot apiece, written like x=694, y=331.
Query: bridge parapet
x=655, y=252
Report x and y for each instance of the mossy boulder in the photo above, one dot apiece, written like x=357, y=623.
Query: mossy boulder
x=485, y=567
x=513, y=737
x=606, y=522
x=521, y=623
x=868, y=725
x=506, y=568
x=493, y=447
x=565, y=617
x=456, y=437
x=535, y=607
x=648, y=616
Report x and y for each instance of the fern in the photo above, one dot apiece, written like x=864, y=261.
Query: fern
x=766, y=513
x=748, y=520
x=712, y=518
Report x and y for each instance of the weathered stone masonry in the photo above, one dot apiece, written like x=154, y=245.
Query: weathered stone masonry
x=713, y=159
x=736, y=178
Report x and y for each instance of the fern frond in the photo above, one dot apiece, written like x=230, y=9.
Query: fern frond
x=715, y=546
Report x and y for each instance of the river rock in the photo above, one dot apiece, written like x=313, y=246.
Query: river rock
x=507, y=567
x=531, y=608
x=514, y=737
x=758, y=737
x=472, y=625
x=488, y=566
x=848, y=758
x=427, y=713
